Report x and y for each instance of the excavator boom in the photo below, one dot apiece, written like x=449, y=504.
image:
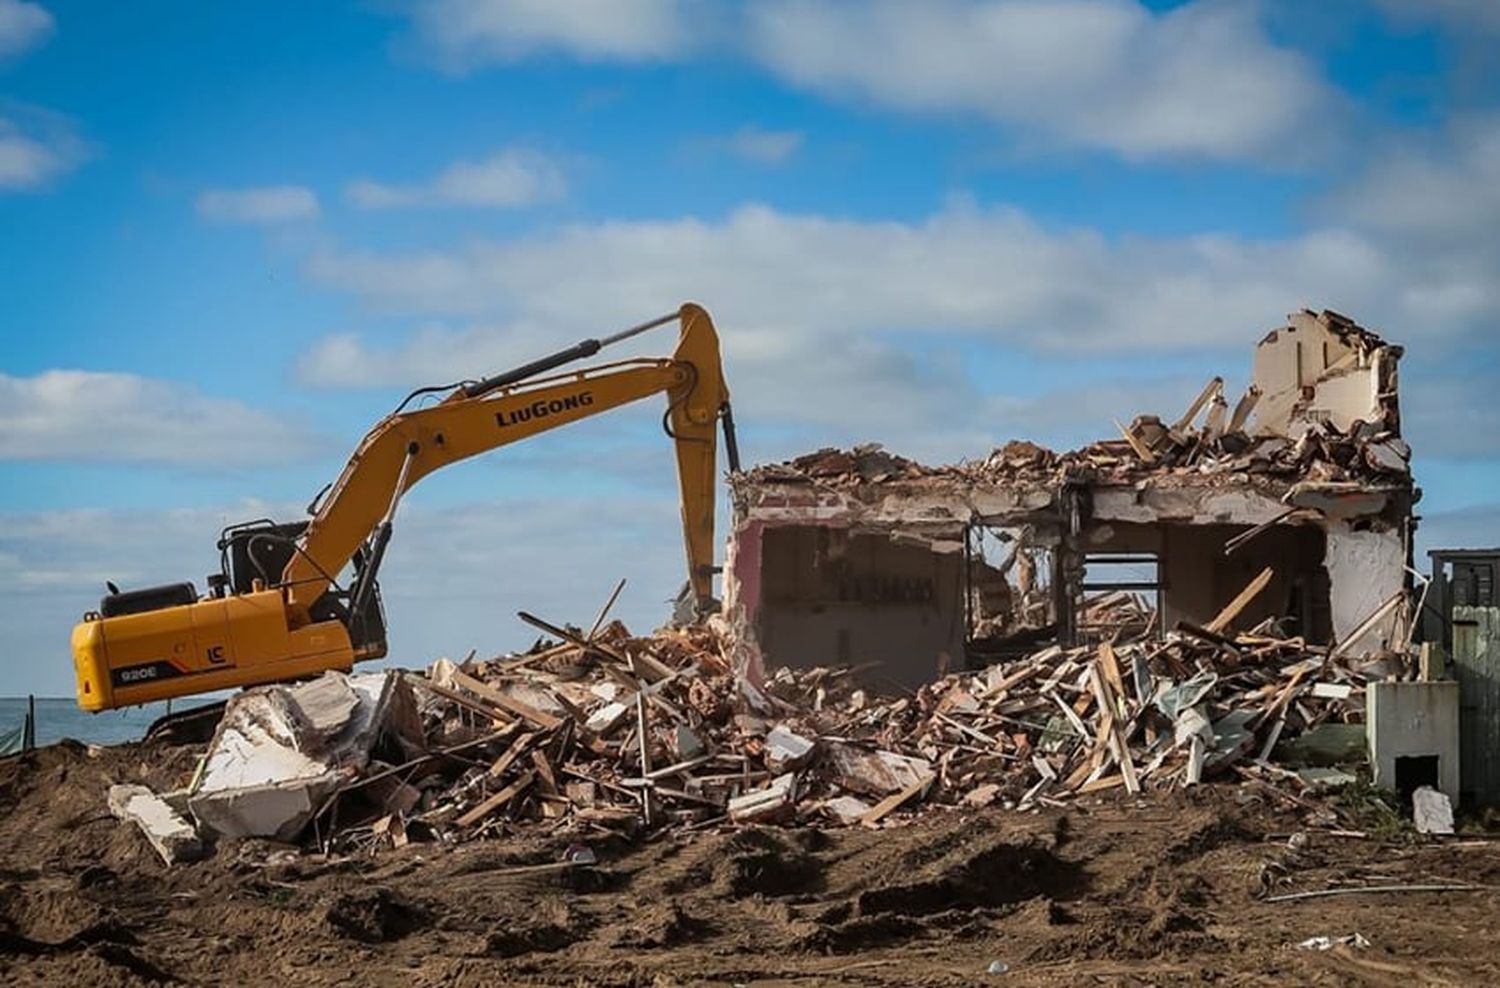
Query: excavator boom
x=278, y=611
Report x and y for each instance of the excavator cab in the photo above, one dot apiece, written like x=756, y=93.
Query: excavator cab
x=257, y=552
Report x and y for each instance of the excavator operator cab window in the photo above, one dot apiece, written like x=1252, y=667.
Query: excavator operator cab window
x=257, y=550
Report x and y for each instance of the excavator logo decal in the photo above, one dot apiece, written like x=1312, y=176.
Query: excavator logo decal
x=160, y=669
x=542, y=408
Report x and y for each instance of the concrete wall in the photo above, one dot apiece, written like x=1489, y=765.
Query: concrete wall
x=828, y=596
x=1365, y=569
x=1306, y=372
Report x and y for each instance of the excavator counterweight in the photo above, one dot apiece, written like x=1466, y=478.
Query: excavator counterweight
x=277, y=609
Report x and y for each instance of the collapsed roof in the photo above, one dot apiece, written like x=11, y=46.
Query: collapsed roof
x=1322, y=409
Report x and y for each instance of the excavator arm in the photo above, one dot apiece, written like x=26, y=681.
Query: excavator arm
x=407, y=446
x=277, y=610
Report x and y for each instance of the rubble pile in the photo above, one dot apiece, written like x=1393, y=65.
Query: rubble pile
x=1370, y=453
x=615, y=734
x=1210, y=439
x=632, y=732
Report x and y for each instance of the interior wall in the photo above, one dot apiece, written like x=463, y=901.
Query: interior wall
x=828, y=596
x=1367, y=568
x=1199, y=579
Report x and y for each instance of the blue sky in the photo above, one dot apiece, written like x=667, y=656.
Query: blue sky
x=232, y=235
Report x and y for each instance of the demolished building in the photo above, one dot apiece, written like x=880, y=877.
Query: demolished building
x=1298, y=499
x=1212, y=598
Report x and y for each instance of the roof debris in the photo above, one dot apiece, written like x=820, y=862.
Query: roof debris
x=628, y=735
x=1297, y=440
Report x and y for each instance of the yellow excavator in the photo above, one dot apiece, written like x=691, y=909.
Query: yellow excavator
x=276, y=610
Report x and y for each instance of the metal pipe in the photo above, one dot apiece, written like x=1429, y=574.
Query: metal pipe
x=731, y=439
x=637, y=329
x=411, y=454
x=584, y=348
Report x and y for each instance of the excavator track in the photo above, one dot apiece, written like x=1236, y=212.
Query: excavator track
x=192, y=726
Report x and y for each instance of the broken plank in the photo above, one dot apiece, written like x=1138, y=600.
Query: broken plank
x=889, y=804
x=1079, y=727
x=1210, y=390
x=508, y=758
x=604, y=611
x=496, y=801
x=524, y=710
x=544, y=771
x=1275, y=707
x=1107, y=782
x=1111, y=668
x=1013, y=680
x=484, y=709
x=1239, y=603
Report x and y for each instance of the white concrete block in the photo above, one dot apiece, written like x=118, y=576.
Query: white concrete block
x=1431, y=811
x=169, y=833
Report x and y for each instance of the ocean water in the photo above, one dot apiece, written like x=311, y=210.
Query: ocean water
x=59, y=717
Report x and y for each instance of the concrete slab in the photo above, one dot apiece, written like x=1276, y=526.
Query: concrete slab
x=282, y=750
x=787, y=750
x=1431, y=811
x=169, y=833
x=278, y=810
x=325, y=704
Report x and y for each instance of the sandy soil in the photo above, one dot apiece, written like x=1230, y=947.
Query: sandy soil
x=1165, y=890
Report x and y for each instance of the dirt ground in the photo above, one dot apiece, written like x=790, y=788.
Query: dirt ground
x=1157, y=891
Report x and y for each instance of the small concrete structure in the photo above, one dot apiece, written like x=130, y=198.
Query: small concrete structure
x=1413, y=736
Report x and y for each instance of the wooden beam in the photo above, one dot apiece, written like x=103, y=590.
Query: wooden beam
x=1213, y=387
x=526, y=711
x=496, y=801
x=484, y=709
x=1234, y=607
x=887, y=805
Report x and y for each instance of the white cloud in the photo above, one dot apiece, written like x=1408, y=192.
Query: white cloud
x=861, y=312
x=1444, y=185
x=509, y=178
x=117, y=417
x=23, y=25
x=36, y=148
x=269, y=204
x=762, y=147
x=1199, y=80
x=1433, y=200
x=993, y=274
x=463, y=33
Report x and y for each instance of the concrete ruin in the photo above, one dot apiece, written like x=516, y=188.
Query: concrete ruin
x=282, y=750
x=1298, y=499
